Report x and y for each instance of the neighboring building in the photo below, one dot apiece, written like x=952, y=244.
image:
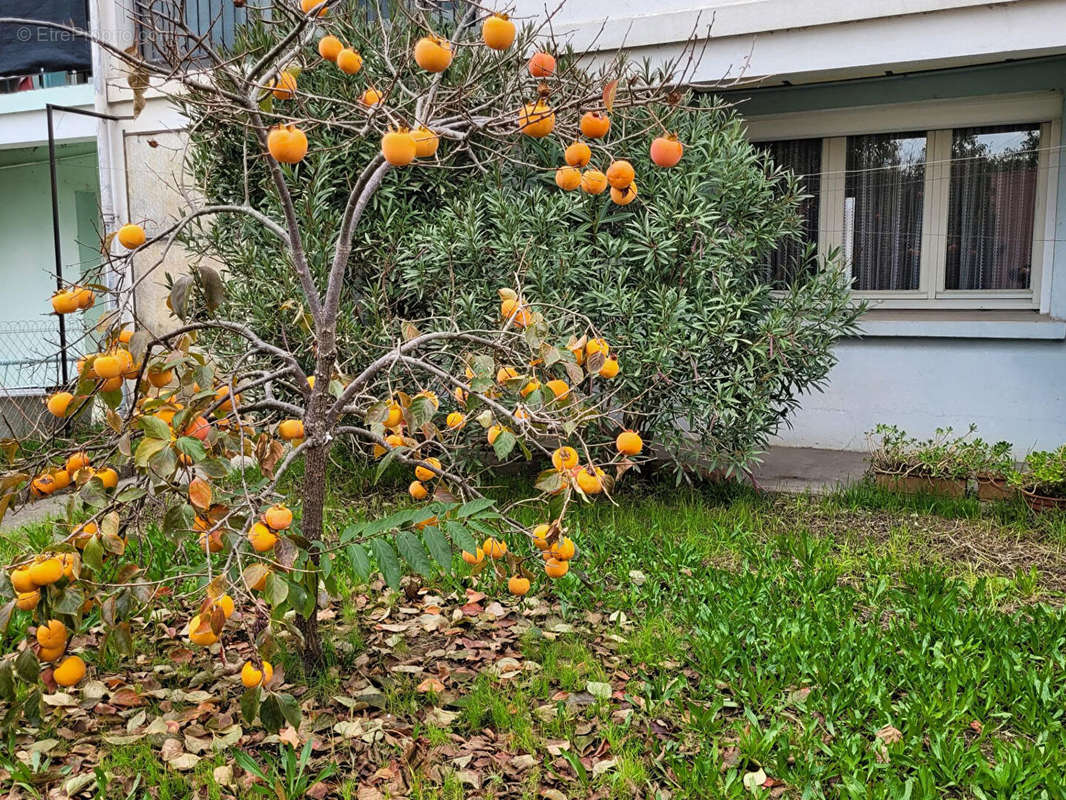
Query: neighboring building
x=930, y=132
x=110, y=168
x=34, y=72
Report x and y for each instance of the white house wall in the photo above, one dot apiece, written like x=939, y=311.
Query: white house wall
x=923, y=370
x=23, y=122
x=814, y=39
x=920, y=371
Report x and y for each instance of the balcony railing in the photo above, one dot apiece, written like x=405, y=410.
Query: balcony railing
x=43, y=56
x=42, y=80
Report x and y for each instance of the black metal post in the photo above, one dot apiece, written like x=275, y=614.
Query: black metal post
x=57, y=243
x=56, y=238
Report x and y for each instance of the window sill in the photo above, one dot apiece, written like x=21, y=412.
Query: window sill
x=961, y=324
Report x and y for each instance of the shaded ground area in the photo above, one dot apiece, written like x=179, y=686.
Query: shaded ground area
x=706, y=644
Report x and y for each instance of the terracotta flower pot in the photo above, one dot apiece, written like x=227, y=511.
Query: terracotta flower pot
x=921, y=484
x=1041, y=503
x=990, y=487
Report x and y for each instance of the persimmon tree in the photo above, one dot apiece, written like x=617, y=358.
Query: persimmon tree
x=209, y=418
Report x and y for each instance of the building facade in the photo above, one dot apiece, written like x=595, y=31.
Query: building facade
x=111, y=166
x=928, y=133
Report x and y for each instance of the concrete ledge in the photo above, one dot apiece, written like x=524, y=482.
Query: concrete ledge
x=78, y=94
x=963, y=325
x=808, y=469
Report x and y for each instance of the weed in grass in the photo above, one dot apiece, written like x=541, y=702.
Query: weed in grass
x=130, y=771
x=287, y=777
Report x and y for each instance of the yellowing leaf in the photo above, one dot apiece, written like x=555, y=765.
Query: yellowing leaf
x=609, y=93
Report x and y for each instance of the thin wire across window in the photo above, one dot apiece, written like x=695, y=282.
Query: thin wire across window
x=884, y=191
x=992, y=207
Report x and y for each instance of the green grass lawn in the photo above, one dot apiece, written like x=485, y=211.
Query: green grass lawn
x=797, y=640
x=861, y=646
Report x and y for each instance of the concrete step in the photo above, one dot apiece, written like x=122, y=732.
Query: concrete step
x=807, y=469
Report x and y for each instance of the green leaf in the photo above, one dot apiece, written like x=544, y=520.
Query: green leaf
x=215, y=467
x=250, y=705
x=474, y=507
x=421, y=411
x=32, y=706
x=138, y=345
x=164, y=462
x=178, y=518
x=147, y=448
x=397, y=519
x=504, y=444
x=378, y=413
x=482, y=366
x=70, y=601
x=387, y=562
x=461, y=536
x=385, y=461
x=549, y=481
x=481, y=527
x=358, y=560
x=276, y=590
x=353, y=531
x=290, y=709
x=7, y=680
x=27, y=666
x=121, y=639
x=438, y=547
x=112, y=399
x=410, y=547
x=179, y=296
x=131, y=493
x=270, y=714
x=245, y=761
x=6, y=611
x=301, y=600
x=154, y=428
x=214, y=289
x=193, y=448
x=93, y=554
x=93, y=493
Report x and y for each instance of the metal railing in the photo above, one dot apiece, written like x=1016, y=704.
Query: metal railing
x=42, y=80
x=29, y=356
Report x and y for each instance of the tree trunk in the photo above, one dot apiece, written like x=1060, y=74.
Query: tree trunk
x=314, y=499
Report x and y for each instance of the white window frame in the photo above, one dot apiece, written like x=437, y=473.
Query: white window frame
x=938, y=118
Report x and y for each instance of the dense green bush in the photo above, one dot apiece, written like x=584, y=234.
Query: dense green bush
x=712, y=359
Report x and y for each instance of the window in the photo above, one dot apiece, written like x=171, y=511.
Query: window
x=802, y=157
x=991, y=207
x=883, y=193
x=951, y=213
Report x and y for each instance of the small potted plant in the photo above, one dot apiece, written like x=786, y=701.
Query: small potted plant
x=991, y=465
x=1043, y=479
x=906, y=464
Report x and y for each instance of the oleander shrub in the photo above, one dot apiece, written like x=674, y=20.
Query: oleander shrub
x=716, y=356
